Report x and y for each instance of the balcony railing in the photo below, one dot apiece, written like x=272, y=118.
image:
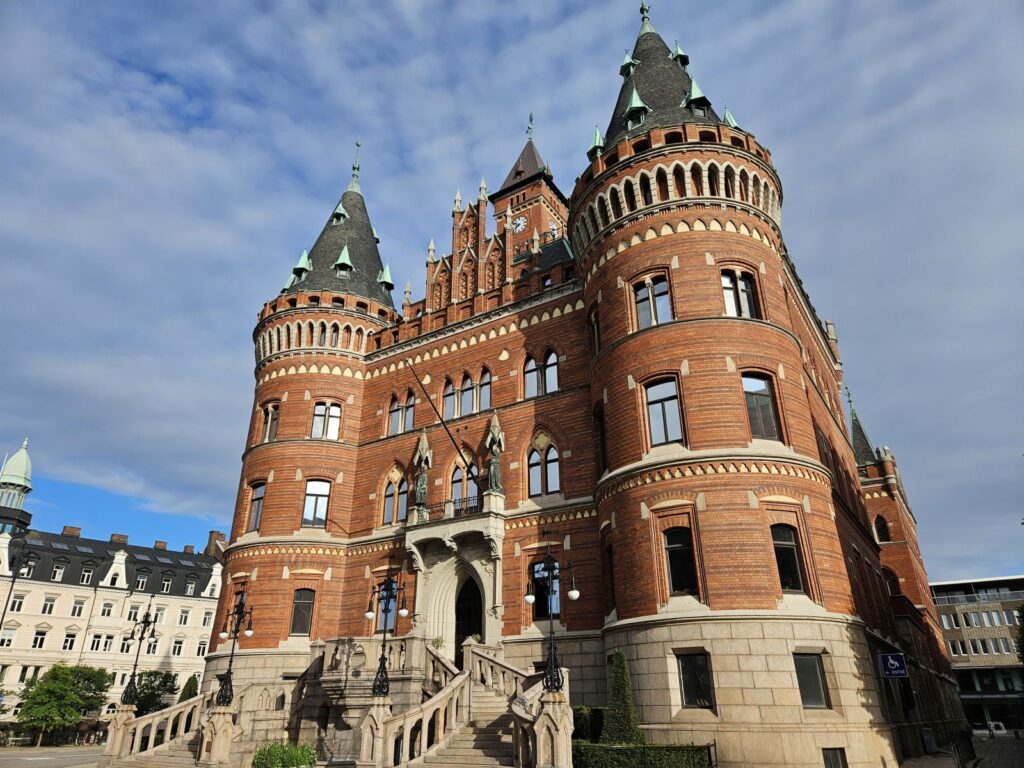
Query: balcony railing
x=470, y=505
x=1002, y=597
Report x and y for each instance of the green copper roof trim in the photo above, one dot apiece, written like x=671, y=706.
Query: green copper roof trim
x=303, y=266
x=343, y=261
x=635, y=103
x=695, y=91
x=598, y=140
x=729, y=119
x=645, y=25
x=353, y=186
x=384, y=278
x=628, y=65
x=340, y=211
x=17, y=470
x=679, y=55
x=289, y=282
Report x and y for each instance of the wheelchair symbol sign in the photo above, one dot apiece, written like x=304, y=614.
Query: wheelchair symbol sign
x=893, y=664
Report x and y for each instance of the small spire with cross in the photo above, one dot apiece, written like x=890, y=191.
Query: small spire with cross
x=529, y=129
x=353, y=186
x=849, y=398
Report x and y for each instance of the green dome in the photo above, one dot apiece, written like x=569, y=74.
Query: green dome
x=17, y=470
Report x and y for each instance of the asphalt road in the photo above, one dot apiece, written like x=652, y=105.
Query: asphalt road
x=49, y=757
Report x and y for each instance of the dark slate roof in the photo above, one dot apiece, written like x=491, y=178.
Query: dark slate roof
x=75, y=553
x=555, y=252
x=663, y=85
x=862, y=449
x=353, y=227
x=527, y=165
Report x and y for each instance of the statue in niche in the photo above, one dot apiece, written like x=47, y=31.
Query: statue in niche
x=422, y=458
x=421, y=488
x=496, y=444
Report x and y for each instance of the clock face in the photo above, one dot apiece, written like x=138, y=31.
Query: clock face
x=518, y=224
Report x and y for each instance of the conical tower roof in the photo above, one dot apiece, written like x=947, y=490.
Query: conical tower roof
x=528, y=165
x=348, y=228
x=862, y=450
x=661, y=82
x=17, y=470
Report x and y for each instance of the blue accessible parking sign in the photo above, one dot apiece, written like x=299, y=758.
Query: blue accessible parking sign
x=893, y=664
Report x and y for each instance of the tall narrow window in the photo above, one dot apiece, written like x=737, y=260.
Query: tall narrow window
x=811, y=677
x=270, y=415
x=485, y=390
x=396, y=502
x=256, y=506
x=314, y=509
x=448, y=401
x=326, y=421
x=630, y=196
x=602, y=439
x=394, y=417
x=550, y=377
x=543, y=475
x=466, y=396
x=302, y=611
x=662, y=181
x=464, y=484
x=760, y=399
x=682, y=565
x=545, y=584
x=713, y=189
x=695, y=680
x=697, y=181
x=664, y=423
x=645, y=189
x=531, y=378
x=882, y=529
x=653, y=302
x=740, y=294
x=787, y=558
x=410, y=411
x=595, y=329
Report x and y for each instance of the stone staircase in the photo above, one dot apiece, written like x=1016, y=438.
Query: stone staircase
x=486, y=740
x=176, y=755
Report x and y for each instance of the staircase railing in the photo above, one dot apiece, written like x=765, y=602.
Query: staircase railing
x=164, y=727
x=423, y=730
x=439, y=670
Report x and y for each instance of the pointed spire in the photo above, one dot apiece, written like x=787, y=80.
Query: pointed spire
x=343, y=264
x=302, y=267
x=596, y=144
x=483, y=188
x=535, y=241
x=376, y=237
x=384, y=278
x=289, y=283
x=862, y=450
x=529, y=129
x=431, y=250
x=16, y=474
x=636, y=104
x=645, y=24
x=458, y=201
x=407, y=295
x=729, y=119
x=628, y=65
x=508, y=214
x=353, y=186
x=680, y=56
x=339, y=214
x=695, y=92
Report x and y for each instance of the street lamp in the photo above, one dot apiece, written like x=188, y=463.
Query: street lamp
x=232, y=628
x=549, y=571
x=386, y=595
x=23, y=559
x=130, y=695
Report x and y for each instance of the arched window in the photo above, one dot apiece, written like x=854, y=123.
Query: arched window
x=271, y=413
x=761, y=412
x=310, y=334
x=645, y=189
x=593, y=220
x=616, y=205
x=394, y=417
x=679, y=179
x=277, y=335
x=396, y=502
x=602, y=210
x=346, y=337
x=485, y=390
x=288, y=336
x=757, y=191
x=542, y=471
x=549, y=379
x=302, y=611
x=334, y=335
x=713, y=188
x=653, y=302
x=787, y=558
x=326, y=421
x=531, y=377
x=892, y=583
x=466, y=396
x=882, y=530
x=730, y=182
x=744, y=187
x=410, y=411
x=358, y=345
x=448, y=400
x=256, y=506
x=464, y=485
x=682, y=562
x=739, y=289
x=545, y=584
x=661, y=178
x=298, y=334
x=696, y=180
x=630, y=196
x=323, y=334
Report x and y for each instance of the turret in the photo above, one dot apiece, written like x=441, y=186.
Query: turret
x=15, y=485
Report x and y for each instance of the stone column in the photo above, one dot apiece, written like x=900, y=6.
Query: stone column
x=117, y=732
x=372, y=744
x=553, y=728
x=218, y=733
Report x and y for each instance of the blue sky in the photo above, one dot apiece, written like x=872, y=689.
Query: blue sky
x=162, y=166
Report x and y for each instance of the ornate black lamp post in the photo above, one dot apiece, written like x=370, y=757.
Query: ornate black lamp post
x=232, y=628
x=23, y=559
x=142, y=630
x=386, y=594
x=549, y=571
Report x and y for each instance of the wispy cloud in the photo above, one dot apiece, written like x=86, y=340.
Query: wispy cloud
x=163, y=165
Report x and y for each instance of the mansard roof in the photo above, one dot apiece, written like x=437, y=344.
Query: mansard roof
x=347, y=229
x=661, y=82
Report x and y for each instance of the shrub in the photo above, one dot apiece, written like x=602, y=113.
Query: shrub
x=586, y=755
x=621, y=726
x=587, y=723
x=282, y=755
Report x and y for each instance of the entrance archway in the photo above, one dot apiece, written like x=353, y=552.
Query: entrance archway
x=469, y=615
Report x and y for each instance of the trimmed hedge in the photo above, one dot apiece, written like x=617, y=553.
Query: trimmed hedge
x=587, y=723
x=585, y=755
x=621, y=725
x=282, y=755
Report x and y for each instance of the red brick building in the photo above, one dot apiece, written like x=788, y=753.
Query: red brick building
x=632, y=376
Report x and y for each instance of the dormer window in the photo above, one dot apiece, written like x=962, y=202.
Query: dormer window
x=636, y=111
x=635, y=120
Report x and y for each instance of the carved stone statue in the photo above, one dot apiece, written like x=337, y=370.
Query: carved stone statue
x=496, y=443
x=423, y=459
x=421, y=487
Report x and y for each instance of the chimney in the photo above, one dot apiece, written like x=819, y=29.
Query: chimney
x=189, y=549
x=212, y=550
x=118, y=538
x=71, y=530
x=159, y=544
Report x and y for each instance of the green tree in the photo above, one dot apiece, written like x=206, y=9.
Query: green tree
x=154, y=687
x=57, y=700
x=621, y=724
x=190, y=689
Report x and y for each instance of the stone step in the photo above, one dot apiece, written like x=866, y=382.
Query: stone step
x=464, y=762
x=496, y=741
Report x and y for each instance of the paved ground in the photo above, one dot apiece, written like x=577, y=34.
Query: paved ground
x=1003, y=752
x=49, y=757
